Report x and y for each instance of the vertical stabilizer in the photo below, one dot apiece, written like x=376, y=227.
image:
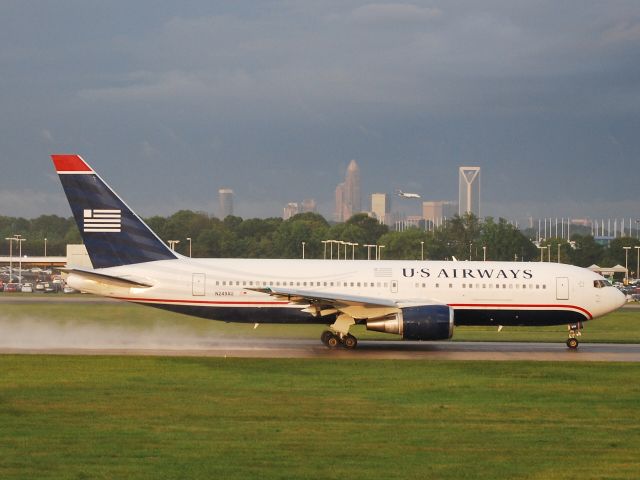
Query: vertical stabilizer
x=113, y=234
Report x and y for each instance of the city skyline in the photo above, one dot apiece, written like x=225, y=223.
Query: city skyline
x=186, y=95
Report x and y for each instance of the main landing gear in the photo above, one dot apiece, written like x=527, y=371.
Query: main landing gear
x=339, y=335
x=335, y=340
x=574, y=333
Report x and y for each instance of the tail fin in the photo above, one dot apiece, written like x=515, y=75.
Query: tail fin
x=113, y=234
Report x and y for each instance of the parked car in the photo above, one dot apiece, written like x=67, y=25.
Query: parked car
x=40, y=287
x=27, y=288
x=68, y=289
x=11, y=287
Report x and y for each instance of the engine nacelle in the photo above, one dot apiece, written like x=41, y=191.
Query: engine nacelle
x=424, y=322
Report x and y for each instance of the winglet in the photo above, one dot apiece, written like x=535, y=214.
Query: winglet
x=70, y=164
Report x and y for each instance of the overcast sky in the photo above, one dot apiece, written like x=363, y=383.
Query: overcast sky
x=170, y=101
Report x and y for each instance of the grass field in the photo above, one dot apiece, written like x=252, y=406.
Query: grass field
x=152, y=417
x=146, y=417
x=135, y=321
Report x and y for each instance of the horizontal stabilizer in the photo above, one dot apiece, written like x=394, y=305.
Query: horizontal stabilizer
x=127, y=281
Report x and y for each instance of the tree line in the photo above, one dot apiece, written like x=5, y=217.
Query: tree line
x=464, y=238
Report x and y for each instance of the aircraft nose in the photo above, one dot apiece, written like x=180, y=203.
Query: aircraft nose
x=620, y=298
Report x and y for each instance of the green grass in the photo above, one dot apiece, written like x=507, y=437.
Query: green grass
x=622, y=326
x=149, y=417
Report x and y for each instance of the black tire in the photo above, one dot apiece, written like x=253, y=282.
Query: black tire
x=350, y=342
x=333, y=341
x=572, y=343
x=324, y=338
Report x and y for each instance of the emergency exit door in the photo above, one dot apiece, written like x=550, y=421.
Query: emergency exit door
x=562, y=288
x=198, y=284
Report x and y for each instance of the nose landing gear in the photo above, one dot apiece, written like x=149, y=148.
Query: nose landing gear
x=574, y=333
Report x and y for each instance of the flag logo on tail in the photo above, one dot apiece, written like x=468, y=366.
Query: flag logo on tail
x=104, y=221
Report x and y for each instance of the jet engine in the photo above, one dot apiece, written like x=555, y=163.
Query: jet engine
x=423, y=322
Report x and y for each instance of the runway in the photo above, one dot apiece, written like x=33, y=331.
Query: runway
x=39, y=337
x=389, y=350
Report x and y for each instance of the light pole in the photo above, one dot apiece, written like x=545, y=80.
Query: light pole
x=626, y=266
x=369, y=247
x=303, y=243
x=19, y=239
x=324, y=242
x=484, y=253
x=470, y=245
x=11, y=240
x=422, y=250
x=379, y=253
x=45, y=246
x=542, y=253
x=172, y=244
x=637, y=247
x=189, y=238
x=353, y=251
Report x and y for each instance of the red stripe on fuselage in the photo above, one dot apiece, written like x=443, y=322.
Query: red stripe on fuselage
x=198, y=302
x=488, y=306
x=70, y=163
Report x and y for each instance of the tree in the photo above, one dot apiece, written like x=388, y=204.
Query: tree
x=504, y=241
x=405, y=245
x=585, y=251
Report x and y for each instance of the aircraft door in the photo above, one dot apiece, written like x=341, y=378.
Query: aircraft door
x=198, y=284
x=562, y=288
x=394, y=286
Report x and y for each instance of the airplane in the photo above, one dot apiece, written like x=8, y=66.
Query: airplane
x=418, y=300
x=402, y=194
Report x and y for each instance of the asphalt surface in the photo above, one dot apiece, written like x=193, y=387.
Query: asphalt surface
x=296, y=348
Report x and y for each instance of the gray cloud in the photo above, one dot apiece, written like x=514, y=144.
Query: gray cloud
x=274, y=98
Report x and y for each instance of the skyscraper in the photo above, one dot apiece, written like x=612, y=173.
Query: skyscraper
x=381, y=207
x=437, y=212
x=469, y=191
x=225, y=199
x=309, y=205
x=348, y=200
x=291, y=209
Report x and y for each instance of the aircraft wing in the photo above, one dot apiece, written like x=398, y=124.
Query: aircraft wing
x=356, y=306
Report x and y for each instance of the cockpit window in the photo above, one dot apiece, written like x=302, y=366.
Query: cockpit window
x=601, y=283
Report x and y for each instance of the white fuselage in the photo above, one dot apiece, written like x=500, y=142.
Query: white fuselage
x=489, y=292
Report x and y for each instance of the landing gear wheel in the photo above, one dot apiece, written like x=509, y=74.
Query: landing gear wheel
x=572, y=343
x=326, y=335
x=333, y=341
x=349, y=341
x=574, y=333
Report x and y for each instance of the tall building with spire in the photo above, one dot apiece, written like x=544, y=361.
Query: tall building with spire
x=348, y=198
